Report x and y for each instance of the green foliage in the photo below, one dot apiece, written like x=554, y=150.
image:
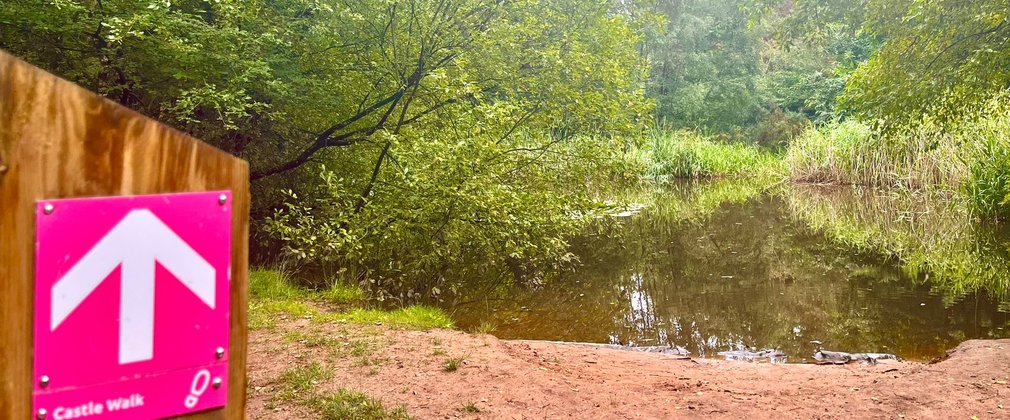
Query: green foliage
x=755, y=69
x=705, y=65
x=806, y=20
x=484, y=205
x=688, y=154
x=396, y=140
x=937, y=56
x=805, y=76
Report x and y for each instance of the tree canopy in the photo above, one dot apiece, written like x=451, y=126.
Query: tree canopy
x=937, y=57
x=409, y=138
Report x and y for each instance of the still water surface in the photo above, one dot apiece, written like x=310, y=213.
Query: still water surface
x=715, y=267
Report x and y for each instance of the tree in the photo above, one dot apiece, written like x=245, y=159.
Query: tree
x=396, y=139
x=276, y=82
x=810, y=49
x=704, y=65
x=938, y=56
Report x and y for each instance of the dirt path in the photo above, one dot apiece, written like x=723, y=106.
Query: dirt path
x=522, y=380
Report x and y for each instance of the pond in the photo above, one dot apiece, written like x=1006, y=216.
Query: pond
x=722, y=265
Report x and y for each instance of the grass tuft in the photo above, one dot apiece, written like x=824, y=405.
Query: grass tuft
x=412, y=317
x=471, y=407
x=485, y=328
x=348, y=404
x=294, y=384
x=452, y=364
x=341, y=294
x=266, y=284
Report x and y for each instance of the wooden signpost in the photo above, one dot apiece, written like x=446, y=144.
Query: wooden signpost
x=123, y=242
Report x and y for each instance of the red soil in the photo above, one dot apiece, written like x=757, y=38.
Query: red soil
x=520, y=380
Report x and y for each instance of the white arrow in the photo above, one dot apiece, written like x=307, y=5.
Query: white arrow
x=136, y=242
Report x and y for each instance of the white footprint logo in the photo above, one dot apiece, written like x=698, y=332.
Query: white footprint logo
x=197, y=388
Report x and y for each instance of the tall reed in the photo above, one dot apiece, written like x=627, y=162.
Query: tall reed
x=851, y=152
x=970, y=156
x=689, y=154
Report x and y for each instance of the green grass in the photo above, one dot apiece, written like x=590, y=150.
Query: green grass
x=452, y=364
x=353, y=405
x=339, y=293
x=970, y=157
x=987, y=140
x=416, y=317
x=852, y=153
x=266, y=284
x=470, y=407
x=272, y=284
x=311, y=338
x=294, y=384
x=264, y=314
x=298, y=385
x=273, y=295
x=688, y=154
x=485, y=327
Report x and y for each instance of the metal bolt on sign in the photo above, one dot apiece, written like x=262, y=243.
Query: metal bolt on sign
x=44, y=381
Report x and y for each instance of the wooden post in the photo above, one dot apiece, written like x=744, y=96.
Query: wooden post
x=58, y=140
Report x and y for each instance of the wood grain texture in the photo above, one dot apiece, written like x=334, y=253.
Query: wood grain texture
x=58, y=140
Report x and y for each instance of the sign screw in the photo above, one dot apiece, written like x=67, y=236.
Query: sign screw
x=44, y=381
x=216, y=383
x=222, y=199
x=42, y=413
x=219, y=352
x=48, y=208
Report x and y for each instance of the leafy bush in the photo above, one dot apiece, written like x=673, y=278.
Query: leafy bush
x=449, y=210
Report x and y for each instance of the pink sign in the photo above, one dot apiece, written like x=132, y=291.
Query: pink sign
x=132, y=305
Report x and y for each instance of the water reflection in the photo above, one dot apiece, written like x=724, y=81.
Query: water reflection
x=726, y=266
